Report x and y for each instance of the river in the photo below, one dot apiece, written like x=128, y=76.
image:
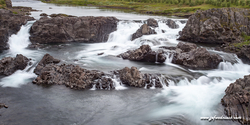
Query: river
x=194, y=93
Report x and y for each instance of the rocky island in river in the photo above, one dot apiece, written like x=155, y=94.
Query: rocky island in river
x=166, y=67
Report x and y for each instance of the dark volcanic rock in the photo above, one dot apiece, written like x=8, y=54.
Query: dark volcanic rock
x=8, y=3
x=144, y=30
x=43, y=14
x=183, y=21
x=152, y=22
x=47, y=59
x=60, y=15
x=133, y=77
x=71, y=76
x=9, y=65
x=236, y=100
x=145, y=54
x=10, y=24
x=76, y=77
x=187, y=54
x=217, y=26
x=72, y=29
x=172, y=24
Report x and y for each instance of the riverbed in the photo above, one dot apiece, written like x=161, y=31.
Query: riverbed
x=193, y=93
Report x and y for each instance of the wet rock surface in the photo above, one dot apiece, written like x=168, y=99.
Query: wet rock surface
x=10, y=24
x=71, y=76
x=72, y=29
x=152, y=22
x=217, y=26
x=144, y=30
x=8, y=3
x=61, y=15
x=133, y=77
x=144, y=54
x=47, y=59
x=171, y=24
x=191, y=56
x=75, y=77
x=236, y=99
x=9, y=65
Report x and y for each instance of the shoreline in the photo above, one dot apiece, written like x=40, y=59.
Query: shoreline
x=163, y=9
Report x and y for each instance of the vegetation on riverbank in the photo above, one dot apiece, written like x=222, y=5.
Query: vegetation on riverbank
x=2, y=4
x=246, y=41
x=163, y=7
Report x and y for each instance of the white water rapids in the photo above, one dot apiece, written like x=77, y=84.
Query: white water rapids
x=190, y=97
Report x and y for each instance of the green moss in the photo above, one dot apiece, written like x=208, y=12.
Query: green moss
x=241, y=44
x=14, y=12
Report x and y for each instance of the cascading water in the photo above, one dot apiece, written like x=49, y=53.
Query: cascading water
x=18, y=44
x=199, y=97
x=191, y=95
x=20, y=41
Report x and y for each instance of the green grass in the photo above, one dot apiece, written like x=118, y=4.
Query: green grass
x=2, y=4
x=163, y=7
x=14, y=12
x=241, y=44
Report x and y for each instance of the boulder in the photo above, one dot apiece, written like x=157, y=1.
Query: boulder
x=43, y=14
x=8, y=3
x=144, y=30
x=47, y=59
x=190, y=56
x=171, y=24
x=65, y=29
x=217, y=26
x=71, y=76
x=76, y=77
x=183, y=21
x=152, y=22
x=133, y=77
x=60, y=15
x=10, y=24
x=144, y=54
x=9, y=65
x=236, y=99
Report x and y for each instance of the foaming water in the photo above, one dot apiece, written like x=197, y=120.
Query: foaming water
x=20, y=77
x=120, y=41
x=187, y=98
x=199, y=97
x=18, y=42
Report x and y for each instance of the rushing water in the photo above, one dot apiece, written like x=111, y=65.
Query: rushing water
x=190, y=95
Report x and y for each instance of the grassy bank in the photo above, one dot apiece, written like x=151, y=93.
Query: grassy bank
x=2, y=4
x=164, y=7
